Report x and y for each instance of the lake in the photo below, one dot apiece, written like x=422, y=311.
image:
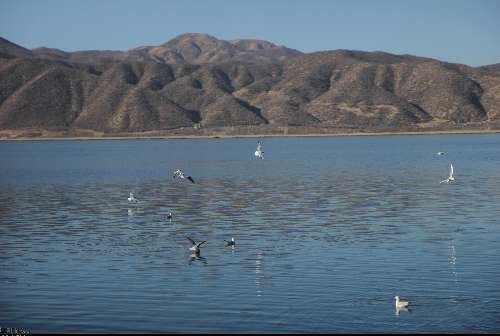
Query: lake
x=328, y=230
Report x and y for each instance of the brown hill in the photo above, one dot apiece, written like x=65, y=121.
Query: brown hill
x=192, y=48
x=196, y=78
x=11, y=50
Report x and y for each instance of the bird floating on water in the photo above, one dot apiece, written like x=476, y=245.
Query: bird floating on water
x=131, y=198
x=230, y=242
x=450, y=178
x=440, y=153
x=259, y=152
x=196, y=246
x=169, y=216
x=180, y=174
x=401, y=303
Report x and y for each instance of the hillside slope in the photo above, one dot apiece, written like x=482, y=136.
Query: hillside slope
x=196, y=78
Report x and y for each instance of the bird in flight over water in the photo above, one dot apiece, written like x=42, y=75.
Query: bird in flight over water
x=180, y=174
x=131, y=198
x=259, y=152
x=195, y=248
x=450, y=178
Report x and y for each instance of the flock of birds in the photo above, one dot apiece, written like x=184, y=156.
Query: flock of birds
x=195, y=249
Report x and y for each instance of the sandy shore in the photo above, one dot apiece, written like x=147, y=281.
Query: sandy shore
x=224, y=135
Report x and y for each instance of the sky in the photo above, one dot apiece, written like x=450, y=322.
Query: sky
x=457, y=31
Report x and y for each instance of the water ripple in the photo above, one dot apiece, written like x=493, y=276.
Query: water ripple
x=324, y=242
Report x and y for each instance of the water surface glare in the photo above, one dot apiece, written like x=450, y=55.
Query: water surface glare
x=328, y=230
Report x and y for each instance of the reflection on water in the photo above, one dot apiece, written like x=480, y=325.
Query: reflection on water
x=402, y=309
x=196, y=256
x=317, y=252
x=453, y=260
x=258, y=273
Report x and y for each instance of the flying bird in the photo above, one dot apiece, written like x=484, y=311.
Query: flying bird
x=196, y=246
x=259, y=152
x=131, y=198
x=450, y=178
x=180, y=174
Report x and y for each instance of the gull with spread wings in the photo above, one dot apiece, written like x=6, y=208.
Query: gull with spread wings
x=196, y=246
x=178, y=173
x=450, y=178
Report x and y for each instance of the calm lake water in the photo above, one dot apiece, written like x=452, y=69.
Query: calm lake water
x=328, y=230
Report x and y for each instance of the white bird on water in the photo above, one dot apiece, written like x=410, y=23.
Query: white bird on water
x=131, y=198
x=440, y=153
x=401, y=303
x=259, y=152
x=450, y=178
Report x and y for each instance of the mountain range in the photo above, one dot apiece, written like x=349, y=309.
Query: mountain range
x=199, y=80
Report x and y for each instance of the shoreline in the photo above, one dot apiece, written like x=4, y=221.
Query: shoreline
x=223, y=135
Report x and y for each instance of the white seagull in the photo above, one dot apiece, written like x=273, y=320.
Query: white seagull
x=259, y=152
x=131, y=198
x=180, y=174
x=440, y=153
x=401, y=303
x=450, y=178
x=196, y=246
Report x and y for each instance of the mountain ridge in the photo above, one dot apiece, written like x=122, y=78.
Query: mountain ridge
x=197, y=80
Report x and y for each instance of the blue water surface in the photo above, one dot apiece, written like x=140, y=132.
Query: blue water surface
x=328, y=230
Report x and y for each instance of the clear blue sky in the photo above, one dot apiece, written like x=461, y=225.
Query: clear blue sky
x=456, y=31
